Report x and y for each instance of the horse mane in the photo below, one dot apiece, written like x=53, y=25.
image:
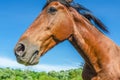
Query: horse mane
x=85, y=12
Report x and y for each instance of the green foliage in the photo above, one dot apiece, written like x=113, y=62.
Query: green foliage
x=17, y=74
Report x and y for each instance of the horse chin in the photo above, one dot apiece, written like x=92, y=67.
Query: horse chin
x=27, y=62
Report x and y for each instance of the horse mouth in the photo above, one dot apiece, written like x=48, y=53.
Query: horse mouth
x=32, y=60
x=33, y=57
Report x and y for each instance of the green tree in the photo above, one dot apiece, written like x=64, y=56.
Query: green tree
x=17, y=74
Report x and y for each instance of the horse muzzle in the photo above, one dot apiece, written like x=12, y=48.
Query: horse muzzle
x=26, y=53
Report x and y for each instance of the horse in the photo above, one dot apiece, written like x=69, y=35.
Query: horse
x=64, y=20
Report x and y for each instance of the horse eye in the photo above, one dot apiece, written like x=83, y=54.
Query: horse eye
x=52, y=10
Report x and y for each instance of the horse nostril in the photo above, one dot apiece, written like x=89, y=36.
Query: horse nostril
x=20, y=49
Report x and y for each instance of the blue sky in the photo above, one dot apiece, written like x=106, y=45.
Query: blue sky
x=17, y=15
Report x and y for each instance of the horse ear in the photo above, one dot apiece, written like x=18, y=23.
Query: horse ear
x=69, y=1
x=49, y=0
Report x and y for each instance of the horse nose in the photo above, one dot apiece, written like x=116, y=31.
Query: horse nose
x=20, y=49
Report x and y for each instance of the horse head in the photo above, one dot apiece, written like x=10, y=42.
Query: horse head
x=53, y=25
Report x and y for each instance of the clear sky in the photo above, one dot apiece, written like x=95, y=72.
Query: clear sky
x=17, y=15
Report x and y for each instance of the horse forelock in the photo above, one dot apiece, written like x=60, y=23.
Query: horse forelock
x=82, y=11
x=64, y=2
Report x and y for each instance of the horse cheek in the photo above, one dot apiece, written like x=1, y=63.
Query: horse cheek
x=62, y=32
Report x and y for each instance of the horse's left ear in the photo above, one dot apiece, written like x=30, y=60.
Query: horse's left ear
x=49, y=1
x=69, y=1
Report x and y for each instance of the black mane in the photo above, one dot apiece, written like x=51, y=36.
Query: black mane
x=85, y=12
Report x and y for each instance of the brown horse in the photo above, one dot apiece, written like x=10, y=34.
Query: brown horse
x=61, y=20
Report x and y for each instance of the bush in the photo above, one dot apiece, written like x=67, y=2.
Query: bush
x=17, y=74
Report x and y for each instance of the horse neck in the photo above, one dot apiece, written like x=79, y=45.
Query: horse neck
x=93, y=46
